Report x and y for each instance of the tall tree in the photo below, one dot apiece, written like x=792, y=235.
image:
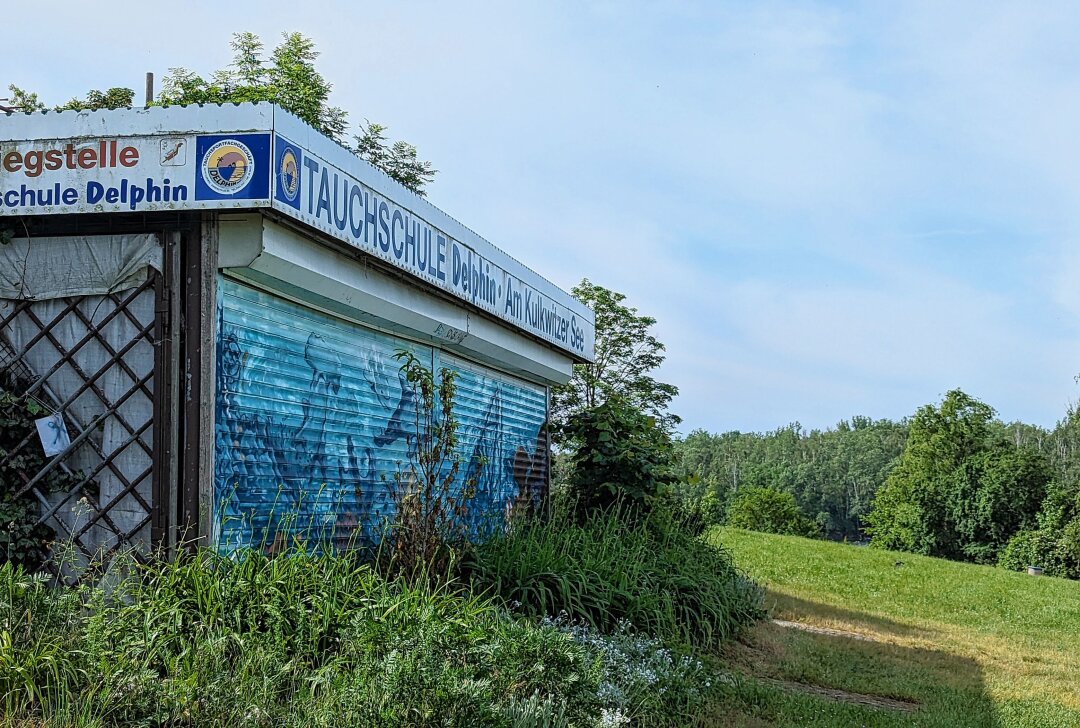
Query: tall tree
x=627, y=354
x=960, y=489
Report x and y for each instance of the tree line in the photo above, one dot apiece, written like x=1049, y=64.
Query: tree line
x=952, y=481
x=834, y=474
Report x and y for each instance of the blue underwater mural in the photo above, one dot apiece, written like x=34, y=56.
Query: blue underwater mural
x=314, y=417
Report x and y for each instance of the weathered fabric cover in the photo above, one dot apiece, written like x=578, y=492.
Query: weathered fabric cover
x=45, y=268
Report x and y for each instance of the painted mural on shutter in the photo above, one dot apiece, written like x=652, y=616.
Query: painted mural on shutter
x=502, y=435
x=314, y=418
x=312, y=413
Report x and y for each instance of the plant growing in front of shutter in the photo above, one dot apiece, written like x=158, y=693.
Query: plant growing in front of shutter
x=433, y=517
x=23, y=541
x=623, y=457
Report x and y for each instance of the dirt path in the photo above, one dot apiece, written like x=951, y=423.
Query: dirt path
x=843, y=696
x=823, y=630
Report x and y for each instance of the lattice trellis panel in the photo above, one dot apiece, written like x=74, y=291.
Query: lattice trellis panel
x=92, y=359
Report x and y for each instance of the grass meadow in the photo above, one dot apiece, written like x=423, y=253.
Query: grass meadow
x=940, y=643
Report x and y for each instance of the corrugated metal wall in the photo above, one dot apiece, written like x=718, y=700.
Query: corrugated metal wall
x=502, y=436
x=314, y=418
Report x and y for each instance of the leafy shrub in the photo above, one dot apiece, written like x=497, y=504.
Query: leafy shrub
x=1055, y=543
x=683, y=508
x=622, y=457
x=1057, y=550
x=433, y=512
x=713, y=508
x=611, y=567
x=1027, y=548
x=22, y=539
x=770, y=511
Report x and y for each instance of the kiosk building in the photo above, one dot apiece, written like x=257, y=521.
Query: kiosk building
x=207, y=304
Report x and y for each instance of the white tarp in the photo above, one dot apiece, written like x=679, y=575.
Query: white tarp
x=45, y=268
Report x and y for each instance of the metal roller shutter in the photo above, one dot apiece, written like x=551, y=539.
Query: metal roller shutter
x=312, y=413
x=313, y=418
x=502, y=435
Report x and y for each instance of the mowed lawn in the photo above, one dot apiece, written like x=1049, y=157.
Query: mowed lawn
x=961, y=645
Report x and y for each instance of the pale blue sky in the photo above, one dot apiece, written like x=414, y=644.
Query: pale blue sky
x=832, y=209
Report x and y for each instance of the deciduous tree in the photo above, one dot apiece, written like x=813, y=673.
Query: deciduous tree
x=960, y=489
x=627, y=355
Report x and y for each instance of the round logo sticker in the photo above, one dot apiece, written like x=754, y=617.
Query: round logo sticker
x=228, y=166
x=288, y=174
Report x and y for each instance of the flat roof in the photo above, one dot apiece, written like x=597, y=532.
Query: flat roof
x=245, y=156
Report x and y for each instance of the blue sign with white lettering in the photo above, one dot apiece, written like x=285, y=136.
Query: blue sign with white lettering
x=339, y=204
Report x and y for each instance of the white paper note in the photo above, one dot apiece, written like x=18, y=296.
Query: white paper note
x=53, y=434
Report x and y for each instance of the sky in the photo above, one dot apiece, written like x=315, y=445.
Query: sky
x=831, y=209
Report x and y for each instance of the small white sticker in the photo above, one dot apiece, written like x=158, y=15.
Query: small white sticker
x=53, y=434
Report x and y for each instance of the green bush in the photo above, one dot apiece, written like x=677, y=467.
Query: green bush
x=1054, y=543
x=22, y=539
x=622, y=457
x=1055, y=550
x=713, y=508
x=610, y=567
x=1027, y=548
x=770, y=511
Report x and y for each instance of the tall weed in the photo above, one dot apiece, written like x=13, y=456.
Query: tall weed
x=38, y=626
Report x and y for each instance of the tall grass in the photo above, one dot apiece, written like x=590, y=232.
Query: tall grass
x=612, y=567
x=314, y=637
x=294, y=639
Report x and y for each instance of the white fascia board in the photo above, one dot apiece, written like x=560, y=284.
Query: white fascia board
x=167, y=171
x=313, y=273
x=152, y=121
